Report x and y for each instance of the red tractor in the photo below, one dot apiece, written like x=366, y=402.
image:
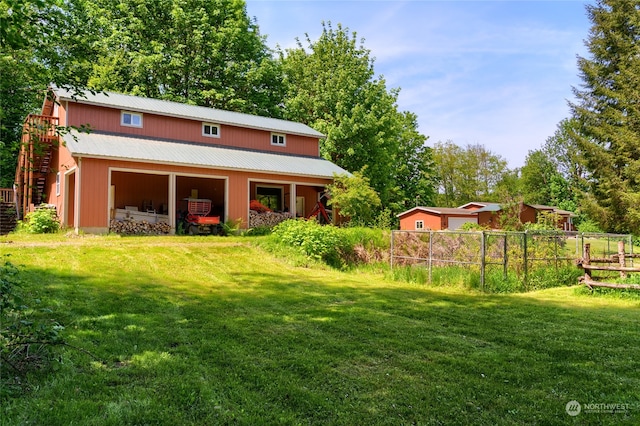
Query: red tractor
x=197, y=220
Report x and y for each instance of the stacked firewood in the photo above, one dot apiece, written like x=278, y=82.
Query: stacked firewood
x=267, y=218
x=134, y=227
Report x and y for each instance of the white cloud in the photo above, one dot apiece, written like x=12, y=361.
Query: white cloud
x=494, y=73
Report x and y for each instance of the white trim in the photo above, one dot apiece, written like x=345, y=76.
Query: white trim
x=133, y=115
x=213, y=126
x=58, y=183
x=77, y=198
x=65, y=199
x=280, y=137
x=421, y=223
x=292, y=199
x=200, y=166
x=172, y=205
x=172, y=186
x=280, y=187
x=294, y=185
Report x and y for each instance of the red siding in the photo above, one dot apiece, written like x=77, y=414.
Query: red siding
x=108, y=120
x=432, y=221
x=95, y=193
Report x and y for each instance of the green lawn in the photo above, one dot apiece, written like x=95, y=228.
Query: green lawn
x=212, y=330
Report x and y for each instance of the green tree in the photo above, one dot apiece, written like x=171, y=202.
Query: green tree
x=354, y=197
x=608, y=113
x=331, y=86
x=413, y=172
x=467, y=174
x=540, y=179
x=563, y=151
x=30, y=32
x=203, y=52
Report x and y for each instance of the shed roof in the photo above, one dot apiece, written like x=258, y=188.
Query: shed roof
x=129, y=148
x=553, y=209
x=492, y=207
x=181, y=110
x=441, y=210
x=543, y=207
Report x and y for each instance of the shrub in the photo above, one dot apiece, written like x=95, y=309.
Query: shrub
x=24, y=341
x=43, y=220
x=473, y=226
x=588, y=226
x=354, y=197
x=316, y=241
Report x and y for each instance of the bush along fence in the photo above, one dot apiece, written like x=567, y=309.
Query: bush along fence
x=496, y=261
x=621, y=262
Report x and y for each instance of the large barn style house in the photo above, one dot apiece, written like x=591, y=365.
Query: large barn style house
x=145, y=159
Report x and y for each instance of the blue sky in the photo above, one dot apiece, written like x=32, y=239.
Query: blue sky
x=495, y=73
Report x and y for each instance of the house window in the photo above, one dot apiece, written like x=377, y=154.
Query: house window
x=131, y=119
x=270, y=197
x=278, y=139
x=419, y=225
x=210, y=130
x=58, y=184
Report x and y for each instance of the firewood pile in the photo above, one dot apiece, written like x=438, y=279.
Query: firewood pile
x=134, y=227
x=267, y=218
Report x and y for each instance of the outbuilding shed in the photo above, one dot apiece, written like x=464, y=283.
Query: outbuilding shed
x=435, y=218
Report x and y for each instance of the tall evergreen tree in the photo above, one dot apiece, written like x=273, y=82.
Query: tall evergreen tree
x=608, y=112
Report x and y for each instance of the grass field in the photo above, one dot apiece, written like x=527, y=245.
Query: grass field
x=206, y=331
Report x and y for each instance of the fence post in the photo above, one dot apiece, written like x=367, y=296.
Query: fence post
x=505, y=257
x=526, y=260
x=586, y=260
x=621, y=260
x=482, y=260
x=430, y=253
x=392, y=237
x=555, y=251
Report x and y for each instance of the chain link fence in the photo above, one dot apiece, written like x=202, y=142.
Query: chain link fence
x=525, y=260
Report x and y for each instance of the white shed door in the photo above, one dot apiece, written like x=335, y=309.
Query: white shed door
x=457, y=222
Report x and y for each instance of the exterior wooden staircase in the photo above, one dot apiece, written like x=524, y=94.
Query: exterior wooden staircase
x=39, y=137
x=8, y=214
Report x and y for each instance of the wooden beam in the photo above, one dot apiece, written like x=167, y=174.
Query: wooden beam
x=609, y=268
x=592, y=283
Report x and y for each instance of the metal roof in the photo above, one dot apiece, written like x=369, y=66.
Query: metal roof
x=181, y=110
x=441, y=210
x=108, y=146
x=492, y=207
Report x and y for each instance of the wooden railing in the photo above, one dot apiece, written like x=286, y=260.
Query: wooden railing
x=42, y=126
x=40, y=133
x=613, y=263
x=6, y=195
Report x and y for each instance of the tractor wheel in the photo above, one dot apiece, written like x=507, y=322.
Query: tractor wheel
x=194, y=230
